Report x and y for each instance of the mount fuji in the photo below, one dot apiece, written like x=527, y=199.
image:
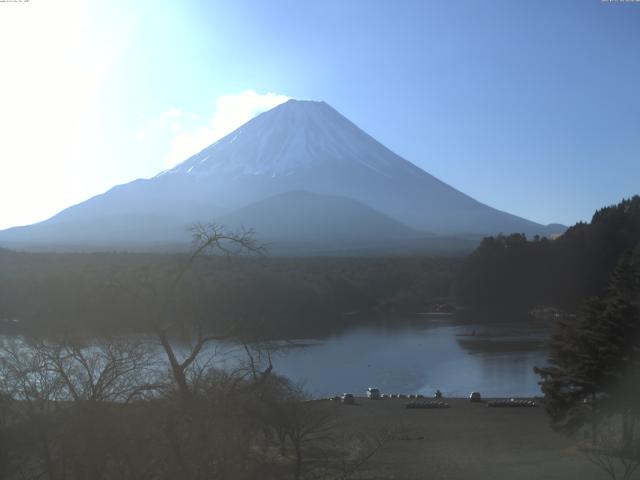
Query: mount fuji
x=301, y=174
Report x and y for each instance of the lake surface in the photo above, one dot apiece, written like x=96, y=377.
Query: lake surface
x=420, y=357
x=409, y=356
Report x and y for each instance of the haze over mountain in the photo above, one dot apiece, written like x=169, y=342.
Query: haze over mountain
x=300, y=173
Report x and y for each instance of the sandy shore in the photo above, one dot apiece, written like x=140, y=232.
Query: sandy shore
x=466, y=441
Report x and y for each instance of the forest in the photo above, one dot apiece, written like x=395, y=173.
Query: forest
x=268, y=296
x=510, y=272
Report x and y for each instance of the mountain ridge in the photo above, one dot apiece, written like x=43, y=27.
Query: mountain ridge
x=296, y=146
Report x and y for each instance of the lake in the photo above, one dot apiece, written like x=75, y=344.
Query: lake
x=496, y=359
x=416, y=356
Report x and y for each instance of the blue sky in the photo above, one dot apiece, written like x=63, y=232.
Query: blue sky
x=530, y=107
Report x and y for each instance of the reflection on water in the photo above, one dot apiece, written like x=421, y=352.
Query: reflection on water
x=496, y=360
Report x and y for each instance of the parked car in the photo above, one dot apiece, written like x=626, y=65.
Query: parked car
x=348, y=399
x=373, y=394
x=475, y=397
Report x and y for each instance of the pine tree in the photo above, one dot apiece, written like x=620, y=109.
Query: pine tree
x=593, y=365
x=572, y=383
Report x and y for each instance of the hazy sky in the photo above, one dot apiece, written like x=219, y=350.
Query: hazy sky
x=529, y=106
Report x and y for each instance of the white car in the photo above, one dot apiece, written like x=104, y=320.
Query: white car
x=373, y=394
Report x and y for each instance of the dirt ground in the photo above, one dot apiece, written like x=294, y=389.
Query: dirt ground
x=466, y=441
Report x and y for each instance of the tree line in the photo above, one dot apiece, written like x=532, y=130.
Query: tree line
x=274, y=297
x=512, y=272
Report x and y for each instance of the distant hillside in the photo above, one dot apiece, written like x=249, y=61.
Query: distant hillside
x=323, y=219
x=510, y=271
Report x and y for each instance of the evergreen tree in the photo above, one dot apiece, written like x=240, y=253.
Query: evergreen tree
x=593, y=365
x=511, y=271
x=572, y=383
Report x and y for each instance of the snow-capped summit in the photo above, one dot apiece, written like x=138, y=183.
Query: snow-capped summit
x=296, y=171
x=293, y=137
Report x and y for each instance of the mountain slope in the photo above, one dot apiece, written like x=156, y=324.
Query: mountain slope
x=326, y=222
x=299, y=145
x=310, y=146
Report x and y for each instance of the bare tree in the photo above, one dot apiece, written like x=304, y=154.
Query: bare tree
x=617, y=450
x=25, y=377
x=311, y=436
x=194, y=434
x=106, y=370
x=68, y=399
x=207, y=239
